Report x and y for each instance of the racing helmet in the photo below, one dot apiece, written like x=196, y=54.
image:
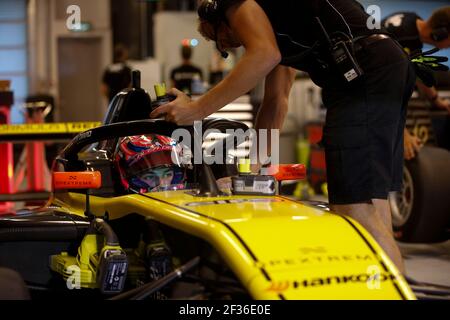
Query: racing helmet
x=149, y=163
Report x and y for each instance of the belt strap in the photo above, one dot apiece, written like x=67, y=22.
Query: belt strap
x=365, y=41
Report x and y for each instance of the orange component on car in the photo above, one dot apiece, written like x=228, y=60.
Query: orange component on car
x=77, y=180
x=285, y=172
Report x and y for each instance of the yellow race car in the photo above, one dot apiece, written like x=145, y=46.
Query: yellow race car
x=207, y=236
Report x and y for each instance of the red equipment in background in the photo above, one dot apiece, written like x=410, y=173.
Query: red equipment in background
x=317, y=173
x=6, y=149
x=37, y=172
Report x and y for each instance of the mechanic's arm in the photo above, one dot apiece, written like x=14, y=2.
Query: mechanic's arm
x=276, y=97
x=254, y=31
x=412, y=145
x=274, y=107
x=433, y=96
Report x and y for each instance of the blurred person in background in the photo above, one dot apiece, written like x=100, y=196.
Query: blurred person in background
x=117, y=76
x=183, y=76
x=412, y=32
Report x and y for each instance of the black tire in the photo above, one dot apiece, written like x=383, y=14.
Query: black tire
x=421, y=211
x=12, y=286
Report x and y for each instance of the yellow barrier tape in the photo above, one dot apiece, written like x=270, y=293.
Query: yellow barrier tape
x=47, y=128
x=77, y=127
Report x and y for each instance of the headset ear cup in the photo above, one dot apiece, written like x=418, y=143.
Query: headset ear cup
x=439, y=34
x=209, y=10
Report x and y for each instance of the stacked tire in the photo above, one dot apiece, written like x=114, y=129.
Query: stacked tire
x=421, y=211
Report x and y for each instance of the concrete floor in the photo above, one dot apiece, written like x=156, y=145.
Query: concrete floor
x=427, y=262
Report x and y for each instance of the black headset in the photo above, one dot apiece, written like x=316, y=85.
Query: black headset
x=213, y=11
x=439, y=34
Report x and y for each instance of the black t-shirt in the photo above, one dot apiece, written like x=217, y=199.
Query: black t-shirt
x=403, y=27
x=299, y=36
x=117, y=77
x=183, y=76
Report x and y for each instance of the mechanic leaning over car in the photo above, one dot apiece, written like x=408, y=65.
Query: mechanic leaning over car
x=366, y=100
x=412, y=32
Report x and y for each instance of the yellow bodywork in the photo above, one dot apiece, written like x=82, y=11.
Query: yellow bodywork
x=277, y=247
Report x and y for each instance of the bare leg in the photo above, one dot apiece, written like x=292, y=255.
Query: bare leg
x=383, y=210
x=367, y=215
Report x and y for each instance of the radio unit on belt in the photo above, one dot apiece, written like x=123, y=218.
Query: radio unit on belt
x=342, y=56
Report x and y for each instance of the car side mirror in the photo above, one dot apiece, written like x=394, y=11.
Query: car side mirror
x=77, y=180
x=285, y=172
x=85, y=180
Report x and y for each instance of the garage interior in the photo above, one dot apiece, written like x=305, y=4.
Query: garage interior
x=52, y=80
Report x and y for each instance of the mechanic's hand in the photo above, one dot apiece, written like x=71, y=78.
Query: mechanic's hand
x=442, y=104
x=255, y=168
x=182, y=111
x=412, y=145
x=426, y=64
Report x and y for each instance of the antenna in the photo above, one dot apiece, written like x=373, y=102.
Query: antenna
x=324, y=31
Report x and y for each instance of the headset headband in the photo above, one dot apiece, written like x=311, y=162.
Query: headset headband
x=211, y=11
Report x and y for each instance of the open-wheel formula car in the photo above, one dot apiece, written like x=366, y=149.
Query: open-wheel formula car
x=195, y=239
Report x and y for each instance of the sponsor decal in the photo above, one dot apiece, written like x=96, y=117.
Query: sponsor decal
x=84, y=135
x=281, y=286
x=232, y=201
x=316, y=259
x=422, y=133
x=308, y=250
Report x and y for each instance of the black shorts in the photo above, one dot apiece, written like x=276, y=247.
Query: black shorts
x=363, y=135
